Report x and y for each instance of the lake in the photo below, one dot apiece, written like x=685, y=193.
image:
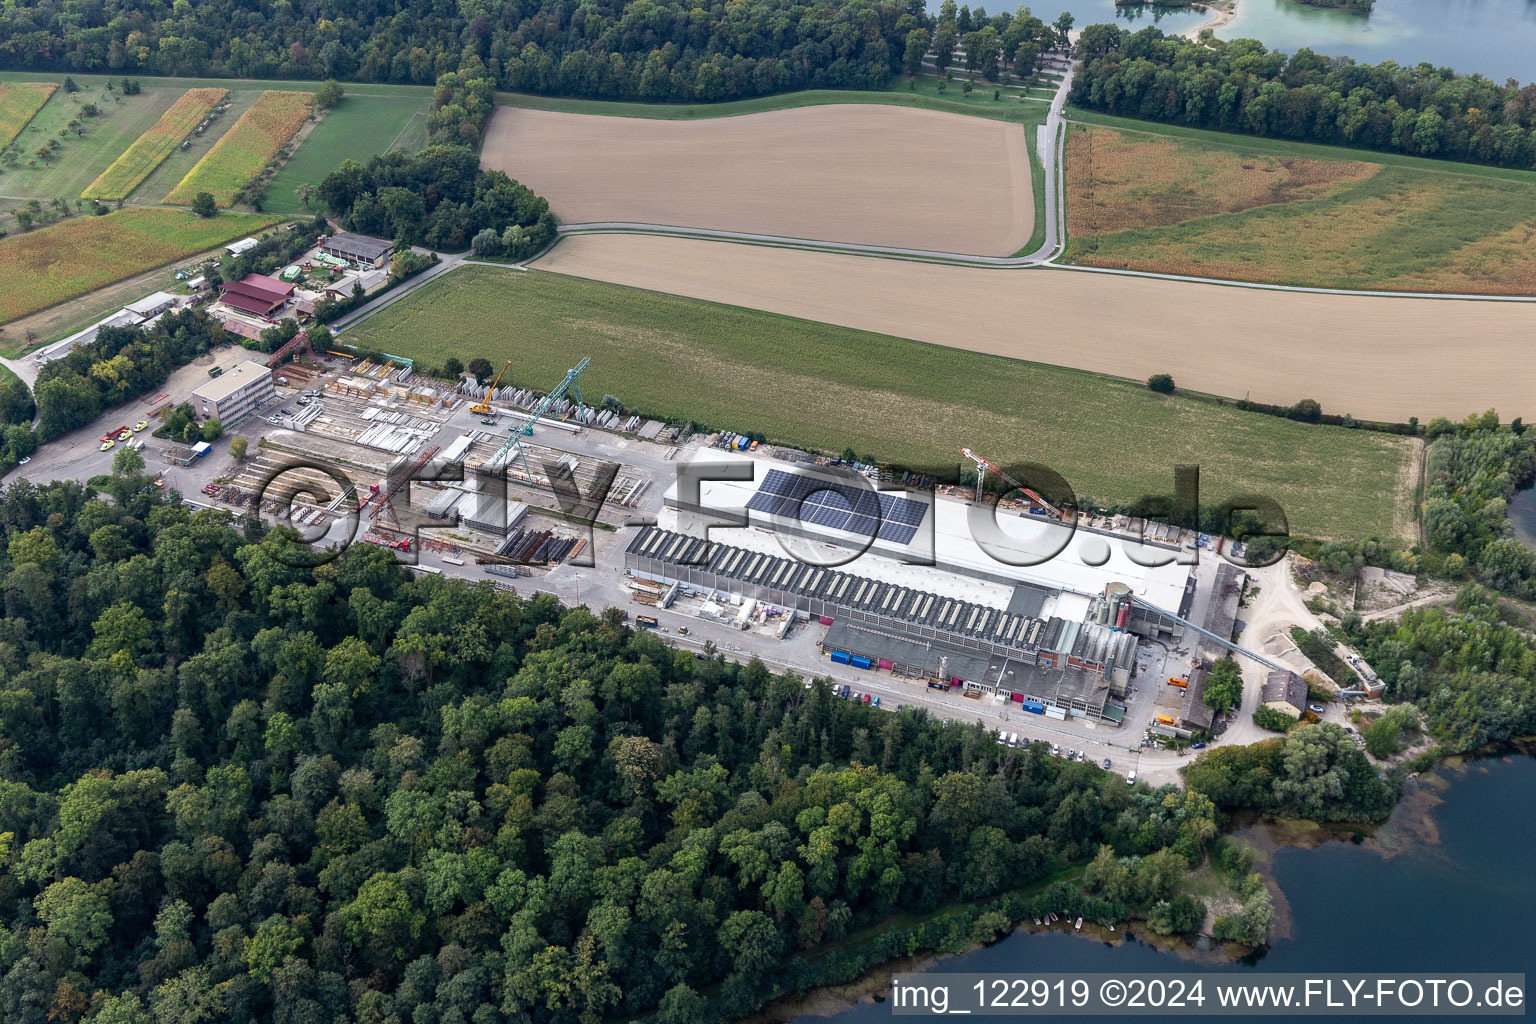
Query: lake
x=1172, y=20
x=1494, y=37
x=1447, y=885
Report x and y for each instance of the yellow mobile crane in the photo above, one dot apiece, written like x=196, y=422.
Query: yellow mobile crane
x=484, y=407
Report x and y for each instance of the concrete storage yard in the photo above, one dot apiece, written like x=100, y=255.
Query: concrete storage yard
x=880, y=175
x=1375, y=357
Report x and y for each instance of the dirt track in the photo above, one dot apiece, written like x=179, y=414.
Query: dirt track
x=869, y=173
x=1377, y=358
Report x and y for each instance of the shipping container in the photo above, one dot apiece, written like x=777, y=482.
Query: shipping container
x=1034, y=707
x=1059, y=714
x=840, y=657
x=859, y=661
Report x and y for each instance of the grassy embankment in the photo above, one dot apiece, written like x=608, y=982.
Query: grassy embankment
x=1175, y=200
x=828, y=387
x=68, y=259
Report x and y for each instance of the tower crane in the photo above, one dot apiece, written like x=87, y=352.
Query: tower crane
x=485, y=403
x=524, y=426
x=983, y=467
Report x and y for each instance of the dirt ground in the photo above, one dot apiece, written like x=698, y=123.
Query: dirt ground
x=867, y=173
x=1373, y=357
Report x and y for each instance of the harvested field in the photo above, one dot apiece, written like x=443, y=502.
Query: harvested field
x=829, y=387
x=151, y=148
x=880, y=175
x=55, y=263
x=1142, y=200
x=19, y=102
x=1375, y=357
x=245, y=149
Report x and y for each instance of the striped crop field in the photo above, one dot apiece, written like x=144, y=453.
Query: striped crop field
x=245, y=149
x=150, y=149
x=19, y=101
x=81, y=254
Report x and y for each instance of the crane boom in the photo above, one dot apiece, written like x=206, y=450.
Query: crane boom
x=524, y=427
x=983, y=467
x=485, y=403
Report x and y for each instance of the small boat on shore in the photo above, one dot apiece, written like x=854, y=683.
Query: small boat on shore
x=1037, y=922
x=1079, y=925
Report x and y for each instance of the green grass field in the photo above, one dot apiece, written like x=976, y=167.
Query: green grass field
x=1148, y=197
x=242, y=152
x=67, y=259
x=926, y=95
x=159, y=141
x=359, y=127
x=828, y=387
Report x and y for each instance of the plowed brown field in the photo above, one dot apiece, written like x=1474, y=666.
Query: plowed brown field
x=1374, y=357
x=868, y=173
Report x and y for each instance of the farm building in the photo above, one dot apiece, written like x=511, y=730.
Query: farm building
x=256, y=293
x=244, y=245
x=149, y=305
x=362, y=249
x=235, y=394
x=1285, y=692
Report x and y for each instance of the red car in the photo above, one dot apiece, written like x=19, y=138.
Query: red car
x=866, y=698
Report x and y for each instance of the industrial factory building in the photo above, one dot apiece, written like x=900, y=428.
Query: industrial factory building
x=1033, y=612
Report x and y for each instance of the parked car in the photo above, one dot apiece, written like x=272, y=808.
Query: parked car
x=866, y=698
x=125, y=435
x=1071, y=755
x=23, y=460
x=108, y=445
x=1316, y=709
x=1082, y=757
x=875, y=700
x=140, y=425
x=1055, y=750
x=1130, y=780
x=1197, y=745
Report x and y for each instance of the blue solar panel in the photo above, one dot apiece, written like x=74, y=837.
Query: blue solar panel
x=836, y=506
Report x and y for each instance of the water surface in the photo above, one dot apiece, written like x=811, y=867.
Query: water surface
x=1448, y=886
x=1494, y=37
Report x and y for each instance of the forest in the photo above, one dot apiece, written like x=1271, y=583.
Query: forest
x=234, y=790
x=647, y=50
x=440, y=198
x=1240, y=86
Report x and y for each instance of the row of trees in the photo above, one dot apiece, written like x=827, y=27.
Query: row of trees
x=1240, y=86
x=652, y=50
x=235, y=790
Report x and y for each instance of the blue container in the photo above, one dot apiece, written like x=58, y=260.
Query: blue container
x=1033, y=707
x=840, y=657
x=858, y=661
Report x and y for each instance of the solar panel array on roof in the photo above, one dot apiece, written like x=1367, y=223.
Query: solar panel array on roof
x=845, y=507
x=981, y=623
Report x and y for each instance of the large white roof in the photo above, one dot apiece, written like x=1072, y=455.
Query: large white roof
x=962, y=538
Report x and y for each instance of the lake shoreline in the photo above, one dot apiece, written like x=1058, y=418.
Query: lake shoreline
x=1221, y=13
x=1412, y=828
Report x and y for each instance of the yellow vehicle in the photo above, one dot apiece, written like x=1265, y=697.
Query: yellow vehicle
x=125, y=435
x=108, y=445
x=140, y=425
